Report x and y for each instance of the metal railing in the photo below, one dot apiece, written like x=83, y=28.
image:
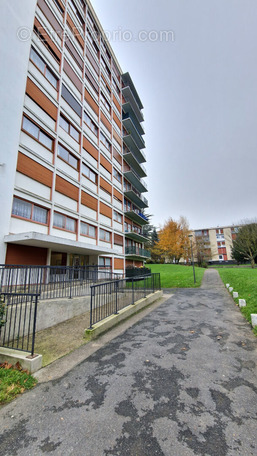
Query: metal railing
x=52, y=282
x=18, y=324
x=137, y=251
x=110, y=297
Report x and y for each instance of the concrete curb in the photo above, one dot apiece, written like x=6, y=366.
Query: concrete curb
x=113, y=320
x=27, y=362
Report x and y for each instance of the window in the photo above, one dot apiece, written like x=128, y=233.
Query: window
x=93, y=44
x=117, y=175
x=49, y=48
x=33, y=130
x=116, y=88
x=64, y=222
x=105, y=103
x=87, y=230
x=105, y=66
x=43, y=67
x=68, y=127
x=91, y=81
x=126, y=186
x=106, y=86
x=60, y=8
x=104, y=235
x=68, y=157
x=105, y=141
x=70, y=99
x=90, y=123
x=76, y=12
x=29, y=211
x=105, y=262
x=117, y=217
x=91, y=175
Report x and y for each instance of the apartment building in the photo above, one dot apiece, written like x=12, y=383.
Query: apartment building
x=217, y=242
x=71, y=160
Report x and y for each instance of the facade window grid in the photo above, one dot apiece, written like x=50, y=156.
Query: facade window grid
x=90, y=123
x=89, y=173
x=88, y=230
x=117, y=217
x=64, y=222
x=105, y=262
x=105, y=103
x=29, y=211
x=48, y=47
x=43, y=67
x=76, y=13
x=68, y=157
x=105, y=141
x=104, y=235
x=60, y=8
x=68, y=127
x=37, y=133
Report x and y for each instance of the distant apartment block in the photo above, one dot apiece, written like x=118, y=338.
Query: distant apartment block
x=217, y=241
x=72, y=147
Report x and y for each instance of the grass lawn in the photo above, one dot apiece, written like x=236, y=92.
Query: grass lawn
x=14, y=382
x=244, y=281
x=178, y=276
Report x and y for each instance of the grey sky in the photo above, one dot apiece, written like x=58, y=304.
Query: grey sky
x=200, y=99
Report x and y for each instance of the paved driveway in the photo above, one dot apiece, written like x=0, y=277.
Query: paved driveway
x=181, y=382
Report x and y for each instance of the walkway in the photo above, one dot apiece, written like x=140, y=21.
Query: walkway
x=180, y=382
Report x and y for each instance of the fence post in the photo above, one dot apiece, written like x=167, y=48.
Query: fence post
x=91, y=306
x=34, y=325
x=153, y=282
x=144, y=288
x=70, y=274
x=116, y=298
x=133, y=293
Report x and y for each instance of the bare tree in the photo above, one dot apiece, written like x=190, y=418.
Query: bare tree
x=245, y=244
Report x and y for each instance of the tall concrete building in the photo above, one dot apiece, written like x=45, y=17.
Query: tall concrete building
x=71, y=150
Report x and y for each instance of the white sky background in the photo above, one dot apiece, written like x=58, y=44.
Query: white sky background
x=200, y=98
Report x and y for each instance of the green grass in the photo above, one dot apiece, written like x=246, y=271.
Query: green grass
x=244, y=281
x=178, y=276
x=14, y=382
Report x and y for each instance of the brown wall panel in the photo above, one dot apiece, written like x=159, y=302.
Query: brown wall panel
x=117, y=120
x=116, y=136
x=74, y=53
x=49, y=15
x=117, y=104
x=105, y=185
x=118, y=263
x=118, y=240
x=72, y=75
x=105, y=210
x=117, y=194
x=48, y=39
x=117, y=156
x=106, y=122
x=107, y=165
x=25, y=254
x=75, y=31
x=89, y=201
x=31, y=168
x=88, y=146
x=91, y=102
x=41, y=99
x=66, y=188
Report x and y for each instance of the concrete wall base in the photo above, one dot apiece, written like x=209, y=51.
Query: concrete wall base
x=113, y=320
x=32, y=364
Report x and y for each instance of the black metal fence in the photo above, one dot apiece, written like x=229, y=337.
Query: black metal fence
x=52, y=281
x=110, y=297
x=18, y=321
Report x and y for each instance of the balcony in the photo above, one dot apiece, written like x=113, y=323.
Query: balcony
x=135, y=180
x=136, y=253
x=135, y=121
x=130, y=143
x=130, y=157
x=132, y=130
x=137, y=217
x=139, y=200
x=134, y=236
x=128, y=83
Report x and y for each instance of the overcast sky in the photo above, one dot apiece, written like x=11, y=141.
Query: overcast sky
x=199, y=91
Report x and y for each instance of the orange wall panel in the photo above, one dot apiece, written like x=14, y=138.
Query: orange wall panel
x=31, y=168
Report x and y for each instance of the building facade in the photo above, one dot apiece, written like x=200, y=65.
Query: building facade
x=217, y=242
x=71, y=160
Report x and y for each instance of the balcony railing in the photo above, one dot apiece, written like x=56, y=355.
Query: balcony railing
x=137, y=252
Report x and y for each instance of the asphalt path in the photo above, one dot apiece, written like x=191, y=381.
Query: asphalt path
x=180, y=382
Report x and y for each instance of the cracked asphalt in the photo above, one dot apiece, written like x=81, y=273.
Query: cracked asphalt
x=180, y=382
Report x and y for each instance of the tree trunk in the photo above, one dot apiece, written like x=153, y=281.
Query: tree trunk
x=252, y=263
